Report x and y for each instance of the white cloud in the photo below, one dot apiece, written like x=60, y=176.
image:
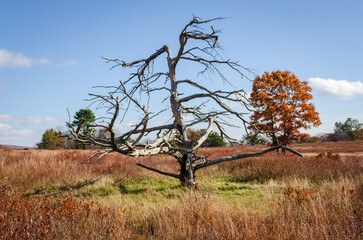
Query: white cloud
x=27, y=120
x=13, y=59
x=42, y=61
x=70, y=63
x=9, y=134
x=340, y=88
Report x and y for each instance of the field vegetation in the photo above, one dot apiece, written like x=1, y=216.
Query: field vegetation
x=61, y=194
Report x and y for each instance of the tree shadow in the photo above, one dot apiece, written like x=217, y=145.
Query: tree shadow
x=76, y=186
x=124, y=190
x=169, y=188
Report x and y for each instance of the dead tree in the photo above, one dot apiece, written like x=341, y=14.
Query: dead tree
x=188, y=104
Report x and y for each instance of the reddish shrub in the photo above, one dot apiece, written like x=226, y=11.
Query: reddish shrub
x=60, y=217
x=298, y=194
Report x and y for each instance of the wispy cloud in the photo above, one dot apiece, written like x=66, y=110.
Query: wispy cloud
x=340, y=88
x=9, y=134
x=42, y=61
x=27, y=120
x=17, y=59
x=69, y=63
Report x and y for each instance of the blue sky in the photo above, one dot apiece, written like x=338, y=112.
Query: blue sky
x=50, y=51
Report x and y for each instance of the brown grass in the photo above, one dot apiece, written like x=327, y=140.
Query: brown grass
x=64, y=195
x=324, y=215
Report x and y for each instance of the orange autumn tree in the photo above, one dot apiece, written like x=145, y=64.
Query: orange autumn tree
x=282, y=107
x=51, y=139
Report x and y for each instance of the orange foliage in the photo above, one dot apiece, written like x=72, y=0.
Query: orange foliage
x=298, y=194
x=194, y=135
x=281, y=103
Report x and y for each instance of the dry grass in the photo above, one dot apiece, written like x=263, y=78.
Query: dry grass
x=63, y=195
x=327, y=214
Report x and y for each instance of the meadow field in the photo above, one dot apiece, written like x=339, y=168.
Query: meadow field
x=61, y=194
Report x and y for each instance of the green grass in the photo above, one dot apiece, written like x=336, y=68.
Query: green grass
x=153, y=191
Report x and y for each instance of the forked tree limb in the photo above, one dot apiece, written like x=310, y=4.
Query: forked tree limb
x=205, y=136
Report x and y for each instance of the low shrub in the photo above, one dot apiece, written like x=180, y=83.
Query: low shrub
x=58, y=217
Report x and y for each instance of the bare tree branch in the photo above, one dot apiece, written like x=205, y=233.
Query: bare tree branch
x=244, y=155
x=148, y=80
x=205, y=136
x=159, y=171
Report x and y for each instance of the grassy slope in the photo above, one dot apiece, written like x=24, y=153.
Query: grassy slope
x=63, y=195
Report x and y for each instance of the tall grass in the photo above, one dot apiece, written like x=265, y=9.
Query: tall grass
x=64, y=195
x=326, y=214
